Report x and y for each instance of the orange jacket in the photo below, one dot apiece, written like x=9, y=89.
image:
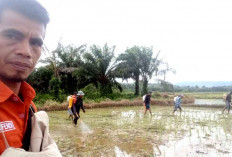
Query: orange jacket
x=14, y=114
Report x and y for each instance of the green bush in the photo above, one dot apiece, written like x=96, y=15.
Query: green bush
x=40, y=99
x=55, y=91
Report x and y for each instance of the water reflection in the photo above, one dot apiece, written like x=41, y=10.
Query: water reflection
x=128, y=114
x=200, y=142
x=209, y=134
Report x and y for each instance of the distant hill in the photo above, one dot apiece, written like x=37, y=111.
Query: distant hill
x=205, y=83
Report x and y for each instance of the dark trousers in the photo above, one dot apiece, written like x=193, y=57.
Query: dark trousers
x=76, y=114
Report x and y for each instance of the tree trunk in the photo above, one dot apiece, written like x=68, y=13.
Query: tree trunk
x=145, y=83
x=137, y=85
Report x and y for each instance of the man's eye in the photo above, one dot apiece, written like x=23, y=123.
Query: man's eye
x=11, y=36
x=36, y=42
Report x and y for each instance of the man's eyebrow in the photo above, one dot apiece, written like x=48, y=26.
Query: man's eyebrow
x=13, y=31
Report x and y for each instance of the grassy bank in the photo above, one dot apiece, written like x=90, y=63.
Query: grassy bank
x=206, y=95
x=45, y=102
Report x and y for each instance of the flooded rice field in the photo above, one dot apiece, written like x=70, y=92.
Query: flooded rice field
x=209, y=102
x=127, y=132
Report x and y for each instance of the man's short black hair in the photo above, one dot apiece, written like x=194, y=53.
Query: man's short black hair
x=29, y=8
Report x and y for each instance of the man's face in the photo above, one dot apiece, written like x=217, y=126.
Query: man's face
x=21, y=41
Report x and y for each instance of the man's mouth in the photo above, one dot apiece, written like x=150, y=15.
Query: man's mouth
x=20, y=66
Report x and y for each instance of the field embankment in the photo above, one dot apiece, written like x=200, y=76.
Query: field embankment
x=206, y=95
x=162, y=99
x=55, y=106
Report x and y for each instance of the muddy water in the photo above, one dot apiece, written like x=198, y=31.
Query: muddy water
x=126, y=132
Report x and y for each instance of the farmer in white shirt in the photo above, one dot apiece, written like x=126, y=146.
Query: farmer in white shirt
x=177, y=103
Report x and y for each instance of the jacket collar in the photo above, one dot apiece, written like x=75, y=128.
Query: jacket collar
x=25, y=90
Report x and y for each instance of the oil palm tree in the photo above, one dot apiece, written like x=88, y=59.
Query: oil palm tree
x=64, y=60
x=70, y=59
x=98, y=69
x=165, y=69
x=129, y=66
x=138, y=62
x=149, y=65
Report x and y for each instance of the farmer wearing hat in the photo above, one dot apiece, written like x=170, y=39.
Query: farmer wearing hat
x=177, y=102
x=78, y=105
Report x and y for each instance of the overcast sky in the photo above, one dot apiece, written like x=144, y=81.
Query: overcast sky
x=194, y=36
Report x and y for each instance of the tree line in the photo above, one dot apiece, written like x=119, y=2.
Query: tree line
x=71, y=68
x=203, y=89
x=168, y=87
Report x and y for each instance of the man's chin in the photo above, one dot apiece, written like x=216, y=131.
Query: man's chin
x=17, y=79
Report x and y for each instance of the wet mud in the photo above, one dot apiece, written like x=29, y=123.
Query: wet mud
x=126, y=131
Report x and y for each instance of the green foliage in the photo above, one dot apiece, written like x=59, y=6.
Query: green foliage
x=138, y=62
x=70, y=56
x=203, y=89
x=68, y=82
x=64, y=60
x=41, y=98
x=129, y=66
x=98, y=69
x=39, y=79
x=119, y=96
x=114, y=97
x=92, y=93
x=54, y=85
x=149, y=65
x=77, y=67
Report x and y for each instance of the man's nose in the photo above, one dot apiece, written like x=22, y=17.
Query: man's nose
x=24, y=49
